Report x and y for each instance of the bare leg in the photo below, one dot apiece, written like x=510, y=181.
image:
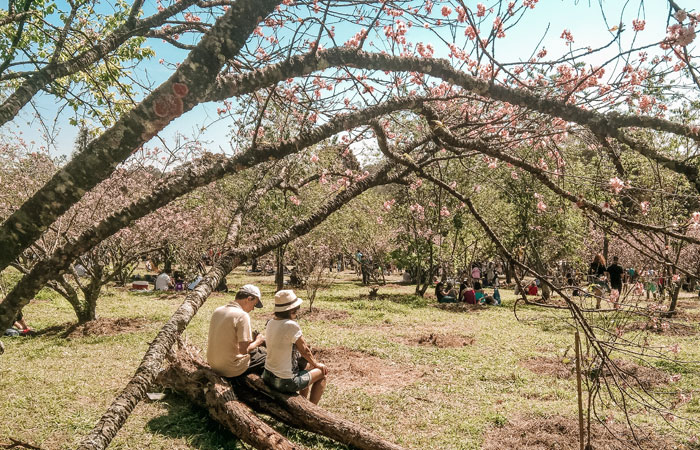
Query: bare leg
x=304, y=392
x=318, y=381
x=317, y=391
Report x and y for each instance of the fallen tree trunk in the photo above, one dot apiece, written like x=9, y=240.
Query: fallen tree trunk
x=297, y=411
x=190, y=375
x=187, y=375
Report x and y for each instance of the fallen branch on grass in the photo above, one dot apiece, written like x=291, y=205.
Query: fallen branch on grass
x=231, y=406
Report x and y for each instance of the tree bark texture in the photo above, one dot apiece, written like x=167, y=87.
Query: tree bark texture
x=190, y=376
x=297, y=411
x=185, y=89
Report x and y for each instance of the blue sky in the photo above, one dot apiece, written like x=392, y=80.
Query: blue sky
x=582, y=18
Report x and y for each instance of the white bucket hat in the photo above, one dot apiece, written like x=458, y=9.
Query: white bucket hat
x=286, y=300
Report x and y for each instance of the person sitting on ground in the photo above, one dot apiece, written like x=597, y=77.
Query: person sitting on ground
x=283, y=334
x=164, y=282
x=532, y=289
x=448, y=295
x=479, y=295
x=468, y=296
x=19, y=327
x=231, y=349
x=438, y=290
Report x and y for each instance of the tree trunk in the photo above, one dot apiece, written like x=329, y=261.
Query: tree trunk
x=279, y=273
x=509, y=271
x=674, y=300
x=190, y=377
x=189, y=374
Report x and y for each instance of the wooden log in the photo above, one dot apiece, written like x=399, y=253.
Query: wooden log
x=297, y=411
x=293, y=410
x=206, y=389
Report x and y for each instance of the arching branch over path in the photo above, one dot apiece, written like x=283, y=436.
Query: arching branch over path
x=196, y=174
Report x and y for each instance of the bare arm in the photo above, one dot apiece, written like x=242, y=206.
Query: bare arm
x=248, y=346
x=306, y=353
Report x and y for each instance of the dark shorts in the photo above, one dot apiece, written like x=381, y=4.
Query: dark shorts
x=301, y=380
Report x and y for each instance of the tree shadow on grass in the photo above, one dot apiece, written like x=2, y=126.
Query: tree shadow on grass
x=187, y=421
x=192, y=423
x=61, y=330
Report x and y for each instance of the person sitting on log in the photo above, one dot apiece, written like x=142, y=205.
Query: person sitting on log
x=231, y=349
x=283, y=334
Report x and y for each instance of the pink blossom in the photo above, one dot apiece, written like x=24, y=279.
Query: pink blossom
x=477, y=188
x=616, y=185
x=645, y=206
x=453, y=185
x=389, y=203
x=295, y=200
x=446, y=11
x=493, y=164
x=681, y=15
x=674, y=378
x=614, y=295
x=380, y=220
x=514, y=175
x=444, y=212
x=675, y=348
x=695, y=218
x=314, y=158
x=638, y=25
x=541, y=207
x=566, y=34
x=480, y=10
x=675, y=277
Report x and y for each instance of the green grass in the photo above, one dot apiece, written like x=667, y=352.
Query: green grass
x=55, y=389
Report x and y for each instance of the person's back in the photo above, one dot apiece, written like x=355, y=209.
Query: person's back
x=281, y=334
x=615, y=271
x=163, y=282
x=229, y=325
x=469, y=297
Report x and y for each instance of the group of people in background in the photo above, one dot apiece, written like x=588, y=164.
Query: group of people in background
x=471, y=289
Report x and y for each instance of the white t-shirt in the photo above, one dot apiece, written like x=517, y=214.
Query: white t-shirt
x=229, y=325
x=280, y=336
x=163, y=282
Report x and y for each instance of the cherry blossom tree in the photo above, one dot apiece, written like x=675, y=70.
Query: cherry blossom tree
x=291, y=75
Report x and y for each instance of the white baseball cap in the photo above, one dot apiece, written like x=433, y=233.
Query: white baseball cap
x=253, y=290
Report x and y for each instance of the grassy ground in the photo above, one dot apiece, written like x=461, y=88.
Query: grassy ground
x=451, y=391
